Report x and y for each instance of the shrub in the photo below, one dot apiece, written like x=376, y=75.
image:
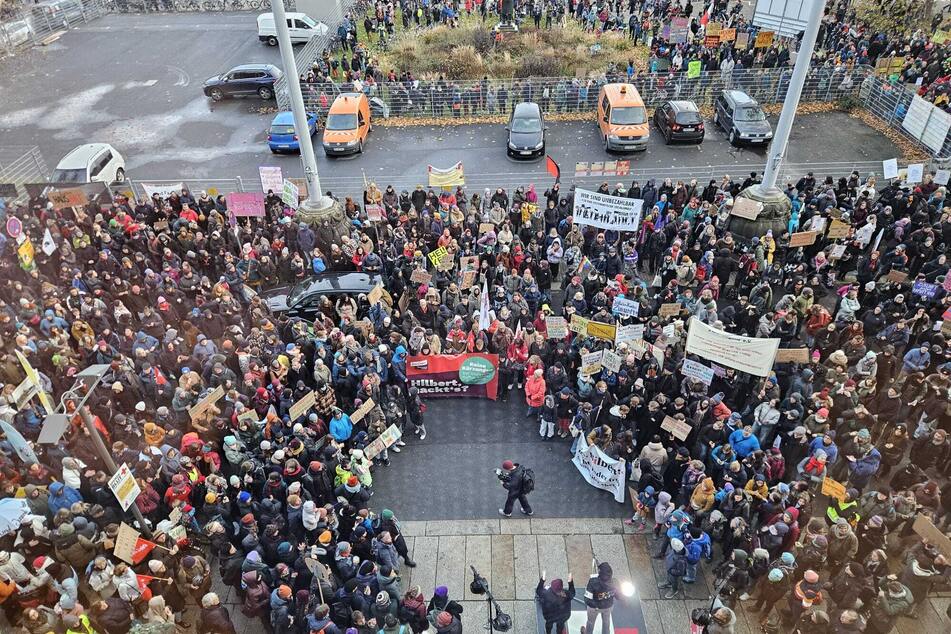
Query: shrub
x=483, y=40
x=464, y=62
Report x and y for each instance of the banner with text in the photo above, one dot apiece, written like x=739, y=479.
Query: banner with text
x=746, y=354
x=600, y=470
x=607, y=212
x=454, y=375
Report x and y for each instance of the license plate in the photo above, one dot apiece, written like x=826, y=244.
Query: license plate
x=284, y=146
x=690, y=129
x=757, y=140
x=525, y=152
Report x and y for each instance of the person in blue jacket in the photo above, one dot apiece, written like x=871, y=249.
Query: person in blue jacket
x=341, y=426
x=744, y=442
x=62, y=497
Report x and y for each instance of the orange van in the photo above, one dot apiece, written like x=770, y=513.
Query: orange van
x=622, y=118
x=348, y=124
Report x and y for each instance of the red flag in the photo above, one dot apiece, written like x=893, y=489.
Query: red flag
x=143, y=582
x=553, y=168
x=707, y=14
x=142, y=548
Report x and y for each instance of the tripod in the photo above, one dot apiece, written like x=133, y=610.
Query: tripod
x=500, y=622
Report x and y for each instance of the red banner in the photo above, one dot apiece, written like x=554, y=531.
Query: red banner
x=455, y=375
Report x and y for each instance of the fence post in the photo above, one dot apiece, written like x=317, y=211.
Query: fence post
x=240, y=183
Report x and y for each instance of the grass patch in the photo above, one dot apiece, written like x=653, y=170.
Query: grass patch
x=471, y=51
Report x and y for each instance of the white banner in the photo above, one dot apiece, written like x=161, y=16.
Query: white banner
x=746, y=354
x=164, y=190
x=271, y=179
x=698, y=371
x=607, y=212
x=598, y=469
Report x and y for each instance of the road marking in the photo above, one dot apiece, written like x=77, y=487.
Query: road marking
x=163, y=27
x=129, y=85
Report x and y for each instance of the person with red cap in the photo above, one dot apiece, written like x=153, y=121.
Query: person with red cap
x=519, y=482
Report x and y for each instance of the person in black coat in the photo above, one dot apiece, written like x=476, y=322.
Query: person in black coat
x=555, y=601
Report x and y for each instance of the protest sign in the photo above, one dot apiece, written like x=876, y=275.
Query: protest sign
x=20, y=444
x=669, y=310
x=124, y=487
x=248, y=415
x=890, y=168
x=625, y=307
x=694, y=67
x=711, y=41
x=375, y=213
x=486, y=226
x=436, y=256
x=611, y=360
x=606, y=211
x=419, y=276
x=764, y=39
x=375, y=295
x=578, y=324
x=924, y=289
x=792, y=355
x=713, y=28
x=54, y=426
x=802, y=239
x=941, y=177
x=387, y=439
x=679, y=30
x=752, y=355
x=601, y=330
x=272, y=180
x=678, y=429
x=303, y=404
x=727, y=35
x=556, y=326
x=600, y=470
x=746, y=208
x=245, y=204
x=641, y=347
x=629, y=333
x=591, y=363
x=290, y=194
x=915, y=173
x=64, y=198
x=698, y=371
x=468, y=279
x=202, y=406
x=932, y=534
x=833, y=489
x=454, y=375
x=838, y=229
x=126, y=539
x=742, y=40
x=362, y=411
x=837, y=252
x=896, y=276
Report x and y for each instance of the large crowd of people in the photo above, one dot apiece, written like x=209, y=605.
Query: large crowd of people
x=165, y=292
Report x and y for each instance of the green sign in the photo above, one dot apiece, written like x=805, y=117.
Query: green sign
x=693, y=69
x=476, y=371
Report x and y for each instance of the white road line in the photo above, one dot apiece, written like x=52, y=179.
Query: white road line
x=130, y=85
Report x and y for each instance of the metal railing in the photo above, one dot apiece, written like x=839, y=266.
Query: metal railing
x=142, y=189
x=190, y=6
x=30, y=25
x=429, y=98
x=893, y=103
x=20, y=165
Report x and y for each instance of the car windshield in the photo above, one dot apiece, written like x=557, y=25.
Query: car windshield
x=752, y=113
x=526, y=124
x=282, y=129
x=631, y=115
x=341, y=122
x=298, y=290
x=68, y=176
x=688, y=118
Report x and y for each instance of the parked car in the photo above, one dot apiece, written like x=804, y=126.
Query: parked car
x=679, y=121
x=282, y=137
x=90, y=163
x=526, y=128
x=741, y=118
x=347, y=125
x=622, y=118
x=244, y=80
x=300, y=26
x=53, y=14
x=303, y=299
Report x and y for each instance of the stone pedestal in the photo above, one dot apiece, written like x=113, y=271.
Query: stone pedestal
x=328, y=220
x=775, y=214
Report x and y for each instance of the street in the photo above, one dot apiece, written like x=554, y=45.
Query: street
x=145, y=98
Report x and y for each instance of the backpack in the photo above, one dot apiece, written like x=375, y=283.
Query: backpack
x=528, y=480
x=341, y=613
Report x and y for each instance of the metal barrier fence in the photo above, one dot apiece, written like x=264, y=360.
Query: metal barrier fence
x=30, y=25
x=20, y=165
x=189, y=6
x=904, y=111
x=566, y=94
x=142, y=189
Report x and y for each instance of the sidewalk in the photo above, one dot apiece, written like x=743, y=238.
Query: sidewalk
x=510, y=554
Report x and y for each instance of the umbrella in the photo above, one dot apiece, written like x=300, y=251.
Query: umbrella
x=12, y=511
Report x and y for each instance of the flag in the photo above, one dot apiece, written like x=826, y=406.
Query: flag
x=553, y=168
x=142, y=548
x=706, y=14
x=584, y=266
x=484, y=320
x=49, y=245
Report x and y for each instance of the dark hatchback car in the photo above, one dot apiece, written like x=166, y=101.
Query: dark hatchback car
x=679, y=121
x=244, y=81
x=526, y=128
x=741, y=118
x=303, y=299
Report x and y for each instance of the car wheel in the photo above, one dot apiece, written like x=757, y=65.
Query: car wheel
x=732, y=137
x=120, y=175
x=360, y=148
x=606, y=147
x=216, y=94
x=265, y=93
x=667, y=137
x=716, y=118
x=272, y=41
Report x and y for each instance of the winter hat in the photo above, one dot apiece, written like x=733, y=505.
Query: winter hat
x=811, y=576
x=188, y=561
x=443, y=619
x=155, y=566
x=775, y=575
x=864, y=434
x=343, y=548
x=788, y=559
x=875, y=521
x=508, y=465
x=382, y=598
x=441, y=591
x=387, y=514
x=676, y=544
x=247, y=519
x=285, y=592
x=325, y=538
x=823, y=413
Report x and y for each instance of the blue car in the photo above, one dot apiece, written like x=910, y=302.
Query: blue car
x=281, y=136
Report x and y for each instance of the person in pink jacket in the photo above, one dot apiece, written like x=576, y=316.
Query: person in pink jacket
x=535, y=393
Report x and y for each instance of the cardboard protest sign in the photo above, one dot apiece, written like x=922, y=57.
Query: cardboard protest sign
x=362, y=411
x=124, y=548
x=679, y=429
x=202, y=406
x=802, y=239
x=838, y=229
x=556, y=326
x=375, y=295
x=746, y=208
x=303, y=404
x=611, y=360
x=833, y=489
x=669, y=310
x=486, y=226
x=931, y=534
x=64, y=198
x=419, y=276
x=896, y=276
x=792, y=355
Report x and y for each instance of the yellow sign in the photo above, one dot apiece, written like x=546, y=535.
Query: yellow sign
x=528, y=210
x=26, y=253
x=578, y=324
x=601, y=330
x=713, y=28
x=727, y=35
x=764, y=39
x=838, y=229
x=833, y=489
x=34, y=378
x=436, y=256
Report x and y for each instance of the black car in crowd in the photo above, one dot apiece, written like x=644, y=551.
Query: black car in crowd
x=526, y=128
x=303, y=299
x=679, y=121
x=741, y=118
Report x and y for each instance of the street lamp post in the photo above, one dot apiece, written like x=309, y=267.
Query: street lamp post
x=315, y=200
x=777, y=150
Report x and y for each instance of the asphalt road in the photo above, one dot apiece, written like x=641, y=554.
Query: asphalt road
x=135, y=81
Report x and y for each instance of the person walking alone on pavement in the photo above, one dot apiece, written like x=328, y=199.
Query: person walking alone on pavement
x=599, y=598
x=519, y=482
x=556, y=603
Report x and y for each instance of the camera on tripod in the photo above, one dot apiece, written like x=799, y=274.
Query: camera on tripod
x=499, y=621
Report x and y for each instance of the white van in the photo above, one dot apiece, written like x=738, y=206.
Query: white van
x=300, y=25
x=90, y=163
